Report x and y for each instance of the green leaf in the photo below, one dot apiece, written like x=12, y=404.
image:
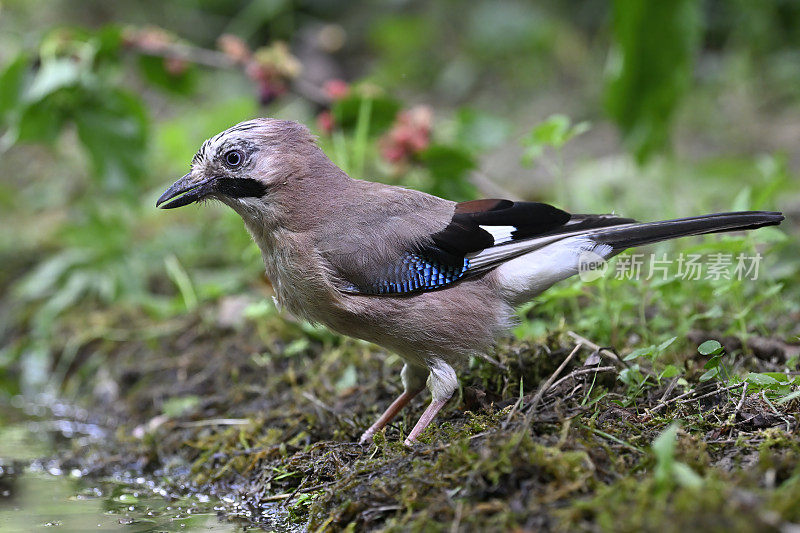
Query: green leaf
x=789, y=397
x=107, y=42
x=650, y=68
x=11, y=84
x=554, y=132
x=113, y=129
x=760, y=380
x=778, y=376
x=664, y=345
x=551, y=132
x=638, y=352
x=713, y=362
x=710, y=374
x=447, y=161
x=40, y=122
x=670, y=371
x=710, y=347
x=52, y=76
x=631, y=376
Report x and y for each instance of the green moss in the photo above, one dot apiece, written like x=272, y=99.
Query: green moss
x=632, y=504
x=276, y=425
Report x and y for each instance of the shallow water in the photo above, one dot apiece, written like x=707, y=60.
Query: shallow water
x=38, y=501
x=37, y=496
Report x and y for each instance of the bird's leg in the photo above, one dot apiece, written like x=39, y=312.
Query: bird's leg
x=388, y=415
x=413, y=383
x=443, y=383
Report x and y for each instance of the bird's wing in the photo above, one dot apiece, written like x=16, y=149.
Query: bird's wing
x=480, y=235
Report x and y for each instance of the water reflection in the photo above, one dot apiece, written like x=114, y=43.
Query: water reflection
x=36, y=495
x=38, y=501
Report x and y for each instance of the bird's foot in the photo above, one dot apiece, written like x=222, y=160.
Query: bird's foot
x=424, y=421
x=366, y=437
x=388, y=415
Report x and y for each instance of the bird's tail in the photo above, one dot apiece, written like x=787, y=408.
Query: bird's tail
x=562, y=256
x=641, y=233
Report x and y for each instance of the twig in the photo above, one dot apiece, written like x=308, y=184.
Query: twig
x=602, y=351
x=581, y=371
x=670, y=388
x=740, y=404
x=319, y=403
x=712, y=393
x=293, y=494
x=764, y=396
x=511, y=413
x=546, y=384
x=215, y=422
x=676, y=398
x=612, y=438
x=513, y=410
x=663, y=401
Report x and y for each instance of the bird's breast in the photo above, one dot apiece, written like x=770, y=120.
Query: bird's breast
x=298, y=277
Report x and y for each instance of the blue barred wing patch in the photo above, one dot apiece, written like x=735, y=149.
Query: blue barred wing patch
x=414, y=273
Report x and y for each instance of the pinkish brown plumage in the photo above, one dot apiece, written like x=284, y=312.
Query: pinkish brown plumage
x=432, y=280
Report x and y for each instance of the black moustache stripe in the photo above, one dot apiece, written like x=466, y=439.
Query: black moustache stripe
x=240, y=187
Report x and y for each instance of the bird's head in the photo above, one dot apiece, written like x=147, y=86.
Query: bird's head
x=241, y=165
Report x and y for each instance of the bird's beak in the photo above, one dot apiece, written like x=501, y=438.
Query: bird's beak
x=184, y=192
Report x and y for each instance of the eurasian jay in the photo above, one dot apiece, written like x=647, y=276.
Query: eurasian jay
x=433, y=280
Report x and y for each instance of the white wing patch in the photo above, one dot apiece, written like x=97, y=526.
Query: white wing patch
x=532, y=273
x=500, y=234
x=489, y=257
x=497, y=254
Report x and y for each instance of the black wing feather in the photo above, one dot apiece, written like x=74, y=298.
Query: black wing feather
x=455, y=252
x=443, y=260
x=464, y=234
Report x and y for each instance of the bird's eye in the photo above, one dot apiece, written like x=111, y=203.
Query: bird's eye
x=233, y=158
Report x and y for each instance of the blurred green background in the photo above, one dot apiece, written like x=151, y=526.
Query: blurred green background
x=651, y=109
